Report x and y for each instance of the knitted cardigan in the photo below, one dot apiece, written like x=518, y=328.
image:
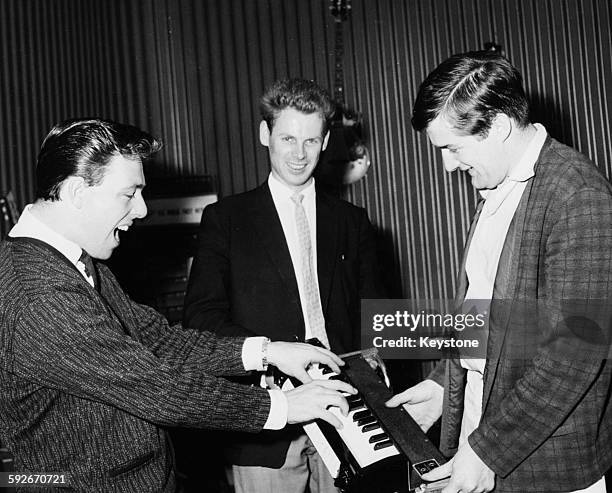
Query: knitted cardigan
x=89, y=378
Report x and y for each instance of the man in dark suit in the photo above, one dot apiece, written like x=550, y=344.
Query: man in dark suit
x=88, y=378
x=287, y=261
x=535, y=414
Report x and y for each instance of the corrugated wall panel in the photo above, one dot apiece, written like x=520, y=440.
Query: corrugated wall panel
x=191, y=71
x=562, y=47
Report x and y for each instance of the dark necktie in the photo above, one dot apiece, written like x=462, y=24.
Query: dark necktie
x=88, y=267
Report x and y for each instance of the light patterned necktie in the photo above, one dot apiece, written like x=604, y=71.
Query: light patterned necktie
x=314, y=312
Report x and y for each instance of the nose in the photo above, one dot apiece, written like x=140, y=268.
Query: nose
x=300, y=151
x=140, y=207
x=450, y=162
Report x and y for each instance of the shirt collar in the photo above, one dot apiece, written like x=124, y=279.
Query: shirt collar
x=281, y=192
x=29, y=226
x=524, y=168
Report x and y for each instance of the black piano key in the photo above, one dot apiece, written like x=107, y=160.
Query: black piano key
x=381, y=445
x=379, y=437
x=361, y=414
x=354, y=406
x=366, y=421
x=370, y=427
x=340, y=377
x=325, y=369
x=354, y=398
x=408, y=437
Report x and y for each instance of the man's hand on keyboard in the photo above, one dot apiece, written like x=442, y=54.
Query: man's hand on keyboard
x=423, y=402
x=311, y=401
x=294, y=358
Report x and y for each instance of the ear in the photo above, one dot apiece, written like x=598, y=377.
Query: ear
x=73, y=190
x=502, y=126
x=264, y=134
x=325, y=140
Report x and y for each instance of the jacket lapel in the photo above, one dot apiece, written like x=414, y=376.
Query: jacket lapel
x=504, y=292
x=269, y=230
x=327, y=245
x=462, y=281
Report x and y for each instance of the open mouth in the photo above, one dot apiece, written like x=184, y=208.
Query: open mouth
x=297, y=166
x=120, y=229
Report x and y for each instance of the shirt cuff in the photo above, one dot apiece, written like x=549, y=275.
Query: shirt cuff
x=277, y=418
x=252, y=353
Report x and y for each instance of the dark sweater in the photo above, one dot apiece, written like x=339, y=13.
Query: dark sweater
x=88, y=378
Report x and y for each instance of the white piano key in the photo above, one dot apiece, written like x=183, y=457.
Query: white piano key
x=351, y=434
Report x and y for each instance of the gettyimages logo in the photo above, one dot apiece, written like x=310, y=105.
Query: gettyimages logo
x=425, y=329
x=566, y=330
x=412, y=321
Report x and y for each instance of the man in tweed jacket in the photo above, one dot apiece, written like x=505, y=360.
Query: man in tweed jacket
x=535, y=415
x=88, y=378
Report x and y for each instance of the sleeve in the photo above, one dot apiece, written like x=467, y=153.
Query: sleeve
x=577, y=266
x=207, y=303
x=221, y=356
x=279, y=410
x=438, y=373
x=66, y=342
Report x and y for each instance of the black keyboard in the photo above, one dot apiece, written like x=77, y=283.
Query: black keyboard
x=372, y=436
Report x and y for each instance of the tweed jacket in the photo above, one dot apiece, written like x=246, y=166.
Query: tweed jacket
x=243, y=283
x=546, y=423
x=88, y=379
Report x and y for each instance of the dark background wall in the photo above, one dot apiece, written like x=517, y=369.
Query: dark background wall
x=190, y=71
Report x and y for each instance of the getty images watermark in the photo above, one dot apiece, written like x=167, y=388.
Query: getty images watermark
x=432, y=329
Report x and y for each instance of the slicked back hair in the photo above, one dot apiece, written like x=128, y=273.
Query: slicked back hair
x=469, y=90
x=299, y=94
x=83, y=148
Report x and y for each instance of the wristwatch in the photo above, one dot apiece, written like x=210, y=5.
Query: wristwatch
x=264, y=353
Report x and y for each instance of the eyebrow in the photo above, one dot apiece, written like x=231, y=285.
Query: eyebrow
x=139, y=186
x=288, y=134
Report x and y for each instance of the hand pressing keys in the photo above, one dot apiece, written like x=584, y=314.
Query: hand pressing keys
x=294, y=358
x=311, y=400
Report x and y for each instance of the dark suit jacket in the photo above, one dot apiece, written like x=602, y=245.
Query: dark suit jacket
x=242, y=283
x=547, y=419
x=88, y=379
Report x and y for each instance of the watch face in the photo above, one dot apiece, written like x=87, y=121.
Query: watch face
x=264, y=353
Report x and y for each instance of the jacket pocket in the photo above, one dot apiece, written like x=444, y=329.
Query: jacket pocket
x=131, y=465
